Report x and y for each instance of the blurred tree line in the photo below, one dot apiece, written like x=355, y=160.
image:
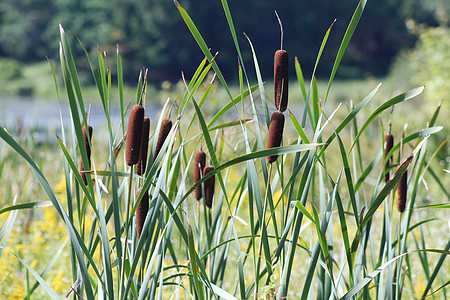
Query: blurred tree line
x=152, y=34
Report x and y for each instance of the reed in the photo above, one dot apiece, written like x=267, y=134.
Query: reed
x=275, y=134
x=88, y=151
x=402, y=190
x=163, y=133
x=134, y=134
x=209, y=186
x=142, y=162
x=281, y=79
x=388, y=144
x=141, y=211
x=199, y=165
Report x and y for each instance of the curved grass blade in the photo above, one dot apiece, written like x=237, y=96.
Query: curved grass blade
x=354, y=290
x=26, y=206
x=202, y=44
x=345, y=41
x=78, y=247
x=395, y=100
x=230, y=104
x=349, y=118
x=41, y=281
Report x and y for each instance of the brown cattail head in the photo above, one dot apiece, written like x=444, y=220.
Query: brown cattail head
x=163, y=133
x=402, y=189
x=388, y=144
x=199, y=165
x=88, y=151
x=209, y=186
x=142, y=162
x=141, y=211
x=83, y=175
x=134, y=134
x=86, y=140
x=281, y=79
x=275, y=134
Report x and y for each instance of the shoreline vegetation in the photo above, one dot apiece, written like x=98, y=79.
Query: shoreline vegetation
x=288, y=200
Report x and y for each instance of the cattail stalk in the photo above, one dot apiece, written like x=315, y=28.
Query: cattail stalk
x=209, y=186
x=281, y=79
x=142, y=162
x=388, y=144
x=88, y=151
x=402, y=189
x=141, y=211
x=199, y=165
x=275, y=134
x=163, y=133
x=134, y=134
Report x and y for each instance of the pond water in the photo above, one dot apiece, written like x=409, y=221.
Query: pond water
x=43, y=115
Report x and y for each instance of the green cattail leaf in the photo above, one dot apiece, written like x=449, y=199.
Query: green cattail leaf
x=301, y=81
x=299, y=128
x=193, y=262
x=355, y=289
x=395, y=100
x=41, y=281
x=77, y=242
x=345, y=41
x=262, y=92
x=202, y=44
x=230, y=104
x=230, y=124
x=26, y=206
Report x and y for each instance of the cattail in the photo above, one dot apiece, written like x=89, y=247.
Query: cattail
x=142, y=162
x=134, y=134
x=141, y=211
x=402, y=189
x=281, y=79
x=88, y=151
x=209, y=186
x=388, y=144
x=199, y=165
x=163, y=133
x=275, y=134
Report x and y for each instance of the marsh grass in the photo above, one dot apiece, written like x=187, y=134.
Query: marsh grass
x=318, y=222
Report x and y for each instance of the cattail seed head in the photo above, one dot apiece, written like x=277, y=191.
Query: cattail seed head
x=163, y=133
x=209, y=186
x=199, y=165
x=88, y=151
x=388, y=144
x=86, y=140
x=142, y=162
x=275, y=134
x=134, y=134
x=402, y=189
x=141, y=211
x=281, y=79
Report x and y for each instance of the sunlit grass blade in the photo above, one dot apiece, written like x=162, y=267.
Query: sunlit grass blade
x=27, y=205
x=350, y=117
x=202, y=44
x=345, y=41
x=355, y=289
x=41, y=281
x=395, y=100
x=48, y=190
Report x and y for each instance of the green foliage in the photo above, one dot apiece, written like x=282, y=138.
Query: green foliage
x=151, y=34
x=430, y=61
x=254, y=241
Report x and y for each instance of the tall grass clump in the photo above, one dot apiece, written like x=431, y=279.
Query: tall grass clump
x=318, y=222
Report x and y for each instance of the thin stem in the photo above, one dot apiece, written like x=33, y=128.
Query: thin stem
x=281, y=30
x=262, y=230
x=122, y=271
x=144, y=84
